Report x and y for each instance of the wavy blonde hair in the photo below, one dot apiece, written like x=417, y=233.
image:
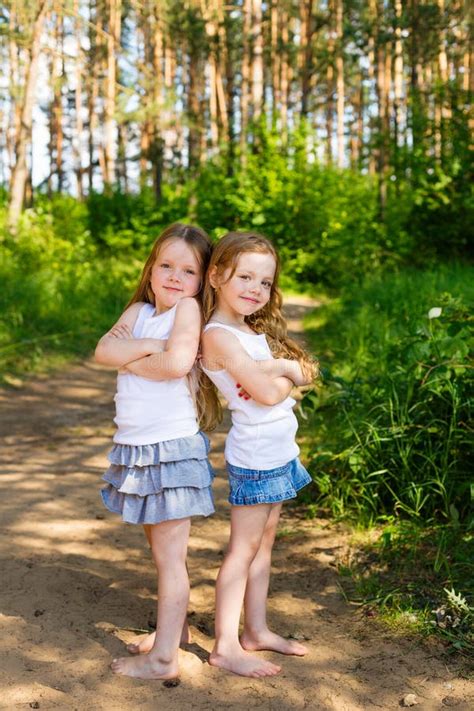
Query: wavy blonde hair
x=205, y=399
x=268, y=320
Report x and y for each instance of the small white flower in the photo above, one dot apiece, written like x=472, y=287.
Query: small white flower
x=435, y=312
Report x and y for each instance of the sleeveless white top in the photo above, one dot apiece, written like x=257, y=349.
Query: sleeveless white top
x=150, y=411
x=262, y=436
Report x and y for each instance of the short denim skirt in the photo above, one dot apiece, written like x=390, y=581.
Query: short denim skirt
x=152, y=483
x=266, y=486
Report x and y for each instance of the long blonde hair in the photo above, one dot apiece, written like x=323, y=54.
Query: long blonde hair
x=268, y=320
x=205, y=399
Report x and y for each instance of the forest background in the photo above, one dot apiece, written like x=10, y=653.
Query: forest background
x=338, y=128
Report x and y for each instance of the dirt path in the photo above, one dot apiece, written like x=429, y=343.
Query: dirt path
x=76, y=583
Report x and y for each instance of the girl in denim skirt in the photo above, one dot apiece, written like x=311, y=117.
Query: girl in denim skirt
x=248, y=356
x=159, y=475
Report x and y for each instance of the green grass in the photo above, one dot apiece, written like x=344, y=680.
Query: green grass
x=416, y=579
x=390, y=445
x=389, y=430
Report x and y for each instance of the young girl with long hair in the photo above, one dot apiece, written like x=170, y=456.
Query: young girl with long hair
x=159, y=475
x=248, y=355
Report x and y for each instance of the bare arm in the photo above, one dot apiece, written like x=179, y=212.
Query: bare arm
x=222, y=349
x=180, y=351
x=284, y=367
x=118, y=347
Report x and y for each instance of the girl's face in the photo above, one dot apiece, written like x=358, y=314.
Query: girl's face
x=175, y=274
x=249, y=288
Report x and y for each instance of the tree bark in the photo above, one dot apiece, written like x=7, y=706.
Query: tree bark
x=113, y=41
x=20, y=170
x=340, y=85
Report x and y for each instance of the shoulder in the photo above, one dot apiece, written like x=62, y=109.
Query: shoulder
x=220, y=340
x=188, y=306
x=130, y=315
x=187, y=317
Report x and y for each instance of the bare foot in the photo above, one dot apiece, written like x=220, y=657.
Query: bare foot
x=271, y=641
x=145, y=667
x=244, y=664
x=146, y=642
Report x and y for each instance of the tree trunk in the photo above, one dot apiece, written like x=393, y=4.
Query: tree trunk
x=285, y=74
x=275, y=57
x=398, y=115
x=56, y=113
x=330, y=86
x=113, y=42
x=257, y=60
x=95, y=63
x=245, y=97
x=20, y=170
x=306, y=53
x=14, y=92
x=340, y=85
x=77, y=136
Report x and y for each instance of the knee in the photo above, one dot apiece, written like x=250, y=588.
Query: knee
x=163, y=558
x=244, y=553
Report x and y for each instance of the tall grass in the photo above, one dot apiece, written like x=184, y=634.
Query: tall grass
x=390, y=430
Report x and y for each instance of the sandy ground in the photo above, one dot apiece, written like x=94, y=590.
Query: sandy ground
x=76, y=584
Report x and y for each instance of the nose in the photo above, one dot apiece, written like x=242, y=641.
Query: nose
x=175, y=275
x=255, y=288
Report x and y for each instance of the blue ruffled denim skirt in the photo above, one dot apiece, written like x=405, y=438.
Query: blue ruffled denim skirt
x=266, y=486
x=151, y=483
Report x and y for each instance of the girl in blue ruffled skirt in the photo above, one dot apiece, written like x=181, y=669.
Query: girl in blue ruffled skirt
x=159, y=475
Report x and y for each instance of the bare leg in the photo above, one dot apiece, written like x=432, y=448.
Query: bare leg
x=247, y=527
x=145, y=643
x=169, y=543
x=256, y=634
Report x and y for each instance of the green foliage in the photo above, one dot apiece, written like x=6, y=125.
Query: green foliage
x=392, y=419
x=307, y=210
x=58, y=294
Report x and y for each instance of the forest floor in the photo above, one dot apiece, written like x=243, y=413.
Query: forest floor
x=77, y=584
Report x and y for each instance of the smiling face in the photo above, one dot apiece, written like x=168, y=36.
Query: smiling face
x=175, y=274
x=248, y=289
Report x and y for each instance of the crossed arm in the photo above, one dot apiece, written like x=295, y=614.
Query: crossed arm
x=150, y=357
x=268, y=382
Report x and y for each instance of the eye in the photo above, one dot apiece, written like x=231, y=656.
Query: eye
x=267, y=284
x=244, y=276
x=164, y=265
x=190, y=271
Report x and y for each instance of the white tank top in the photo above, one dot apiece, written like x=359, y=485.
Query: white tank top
x=261, y=436
x=149, y=411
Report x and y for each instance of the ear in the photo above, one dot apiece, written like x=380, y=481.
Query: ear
x=213, y=280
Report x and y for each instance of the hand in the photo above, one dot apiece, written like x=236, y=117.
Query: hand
x=242, y=393
x=302, y=373
x=121, y=331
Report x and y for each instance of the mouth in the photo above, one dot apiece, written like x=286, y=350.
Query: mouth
x=172, y=288
x=248, y=298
